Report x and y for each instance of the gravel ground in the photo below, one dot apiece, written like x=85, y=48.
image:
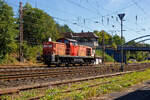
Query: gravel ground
x=29, y=81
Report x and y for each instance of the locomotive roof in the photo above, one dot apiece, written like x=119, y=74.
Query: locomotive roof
x=71, y=40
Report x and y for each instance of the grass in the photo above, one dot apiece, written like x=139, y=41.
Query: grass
x=145, y=61
x=107, y=57
x=116, y=83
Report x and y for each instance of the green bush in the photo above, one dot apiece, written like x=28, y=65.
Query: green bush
x=78, y=96
x=8, y=59
x=107, y=57
x=30, y=53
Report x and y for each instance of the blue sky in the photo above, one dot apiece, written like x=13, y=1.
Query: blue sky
x=87, y=15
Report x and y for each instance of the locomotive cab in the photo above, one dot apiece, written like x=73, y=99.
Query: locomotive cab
x=71, y=46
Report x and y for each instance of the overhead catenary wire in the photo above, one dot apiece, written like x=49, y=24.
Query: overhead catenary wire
x=138, y=6
x=81, y=19
x=66, y=20
x=72, y=2
x=84, y=17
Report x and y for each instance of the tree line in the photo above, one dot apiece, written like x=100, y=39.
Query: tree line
x=113, y=41
x=38, y=26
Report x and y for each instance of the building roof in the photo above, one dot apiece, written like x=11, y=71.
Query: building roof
x=85, y=34
x=82, y=34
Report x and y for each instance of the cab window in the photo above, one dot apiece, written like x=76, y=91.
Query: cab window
x=66, y=41
x=59, y=40
x=74, y=43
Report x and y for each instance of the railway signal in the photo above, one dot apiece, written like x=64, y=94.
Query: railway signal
x=121, y=16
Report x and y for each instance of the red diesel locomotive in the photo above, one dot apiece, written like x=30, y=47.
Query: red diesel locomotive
x=66, y=51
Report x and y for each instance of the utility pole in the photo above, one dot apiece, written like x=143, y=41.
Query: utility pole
x=121, y=16
x=20, y=32
x=103, y=47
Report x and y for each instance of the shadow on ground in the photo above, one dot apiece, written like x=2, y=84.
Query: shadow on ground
x=140, y=94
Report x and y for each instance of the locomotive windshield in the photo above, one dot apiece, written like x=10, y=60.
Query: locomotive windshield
x=66, y=41
x=75, y=43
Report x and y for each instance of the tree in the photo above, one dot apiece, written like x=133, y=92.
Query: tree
x=8, y=31
x=38, y=25
x=63, y=29
x=108, y=37
x=117, y=40
x=67, y=29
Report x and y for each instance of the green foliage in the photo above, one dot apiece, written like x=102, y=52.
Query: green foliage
x=108, y=38
x=107, y=57
x=138, y=55
x=51, y=93
x=31, y=53
x=90, y=92
x=27, y=94
x=114, y=84
x=117, y=40
x=9, y=59
x=133, y=43
x=127, y=84
x=5, y=97
x=114, y=46
x=8, y=30
x=38, y=25
x=63, y=29
x=78, y=96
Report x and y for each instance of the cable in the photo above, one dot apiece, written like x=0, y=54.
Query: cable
x=74, y=15
x=72, y=2
x=64, y=20
x=141, y=8
x=69, y=14
x=61, y=19
x=12, y=3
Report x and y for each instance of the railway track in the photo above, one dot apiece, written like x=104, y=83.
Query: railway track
x=12, y=73
x=36, y=86
x=15, y=75
x=94, y=85
x=26, y=73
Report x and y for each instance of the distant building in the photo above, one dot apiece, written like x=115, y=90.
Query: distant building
x=84, y=38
